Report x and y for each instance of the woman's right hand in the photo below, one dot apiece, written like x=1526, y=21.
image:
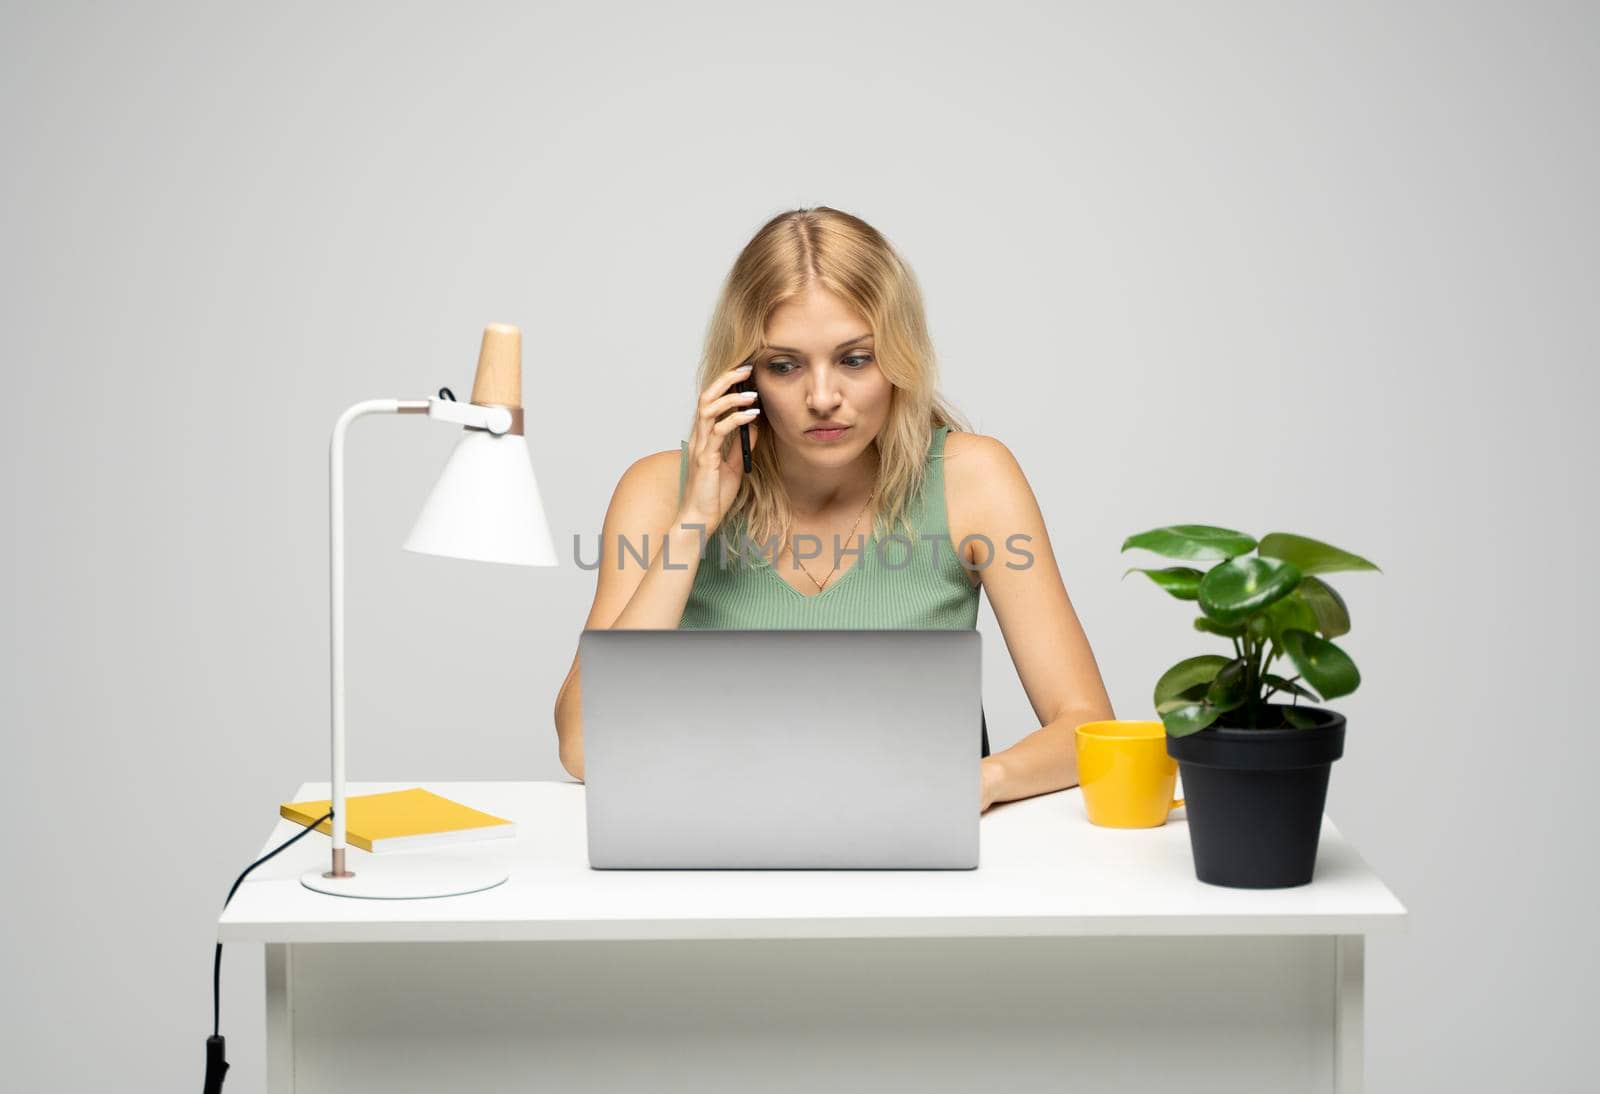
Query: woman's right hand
x=712, y=479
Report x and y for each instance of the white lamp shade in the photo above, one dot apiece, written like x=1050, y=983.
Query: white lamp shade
x=486, y=505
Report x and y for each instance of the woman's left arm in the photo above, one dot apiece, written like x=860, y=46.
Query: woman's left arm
x=1042, y=632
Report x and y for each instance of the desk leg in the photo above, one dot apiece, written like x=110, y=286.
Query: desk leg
x=280, y=1020
x=1349, y=1014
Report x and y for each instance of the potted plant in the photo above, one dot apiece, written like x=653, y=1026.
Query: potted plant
x=1255, y=773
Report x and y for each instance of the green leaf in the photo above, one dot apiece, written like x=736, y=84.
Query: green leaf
x=1289, y=612
x=1333, y=618
x=1181, y=581
x=1227, y=691
x=1234, y=589
x=1186, y=718
x=1325, y=666
x=1226, y=630
x=1310, y=556
x=1275, y=681
x=1192, y=541
x=1186, y=674
x=1300, y=719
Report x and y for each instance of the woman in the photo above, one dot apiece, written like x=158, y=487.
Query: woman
x=847, y=434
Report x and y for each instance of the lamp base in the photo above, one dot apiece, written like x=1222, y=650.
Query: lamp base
x=409, y=876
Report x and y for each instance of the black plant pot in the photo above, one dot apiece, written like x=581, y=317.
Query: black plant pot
x=1254, y=798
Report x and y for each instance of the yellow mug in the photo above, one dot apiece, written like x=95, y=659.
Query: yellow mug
x=1126, y=774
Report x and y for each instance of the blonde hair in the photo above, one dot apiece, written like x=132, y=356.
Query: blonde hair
x=849, y=258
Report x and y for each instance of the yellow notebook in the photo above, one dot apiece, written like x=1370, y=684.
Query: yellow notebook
x=402, y=820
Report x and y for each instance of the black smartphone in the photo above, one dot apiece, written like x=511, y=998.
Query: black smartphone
x=744, y=430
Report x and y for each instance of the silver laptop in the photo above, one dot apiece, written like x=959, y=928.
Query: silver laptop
x=782, y=749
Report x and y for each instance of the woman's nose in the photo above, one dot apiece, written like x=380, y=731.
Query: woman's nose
x=823, y=394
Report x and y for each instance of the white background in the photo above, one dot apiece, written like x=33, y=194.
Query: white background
x=1321, y=269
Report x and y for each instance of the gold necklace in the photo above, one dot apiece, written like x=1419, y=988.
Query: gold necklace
x=838, y=554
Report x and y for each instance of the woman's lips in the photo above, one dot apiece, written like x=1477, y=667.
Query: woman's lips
x=827, y=434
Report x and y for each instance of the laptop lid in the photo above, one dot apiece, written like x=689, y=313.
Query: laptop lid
x=780, y=749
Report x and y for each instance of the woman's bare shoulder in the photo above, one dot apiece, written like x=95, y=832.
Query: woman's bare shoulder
x=647, y=492
x=981, y=477
x=656, y=473
x=659, y=465
x=973, y=459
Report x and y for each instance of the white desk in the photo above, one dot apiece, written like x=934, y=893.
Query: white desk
x=1074, y=957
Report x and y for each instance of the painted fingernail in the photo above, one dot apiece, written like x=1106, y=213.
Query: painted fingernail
x=747, y=395
x=744, y=368
x=751, y=410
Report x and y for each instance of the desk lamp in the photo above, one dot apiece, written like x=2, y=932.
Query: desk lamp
x=485, y=506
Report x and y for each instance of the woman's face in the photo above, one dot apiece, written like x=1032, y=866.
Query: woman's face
x=819, y=367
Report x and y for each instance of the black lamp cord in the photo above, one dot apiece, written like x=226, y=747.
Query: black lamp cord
x=216, y=1062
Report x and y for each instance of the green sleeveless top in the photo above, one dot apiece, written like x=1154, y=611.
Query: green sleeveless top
x=891, y=584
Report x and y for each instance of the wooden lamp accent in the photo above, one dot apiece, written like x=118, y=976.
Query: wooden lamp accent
x=499, y=378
